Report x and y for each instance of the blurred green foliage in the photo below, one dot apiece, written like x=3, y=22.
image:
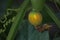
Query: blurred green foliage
x=24, y=28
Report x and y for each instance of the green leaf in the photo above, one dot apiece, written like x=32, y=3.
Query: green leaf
x=52, y=15
x=18, y=19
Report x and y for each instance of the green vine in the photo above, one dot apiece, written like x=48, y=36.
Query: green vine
x=6, y=20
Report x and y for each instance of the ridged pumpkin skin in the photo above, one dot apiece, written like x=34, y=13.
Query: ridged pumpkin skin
x=35, y=18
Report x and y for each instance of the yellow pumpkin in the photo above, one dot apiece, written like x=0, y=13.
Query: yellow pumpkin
x=35, y=18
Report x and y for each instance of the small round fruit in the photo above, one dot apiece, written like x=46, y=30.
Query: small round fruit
x=35, y=18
